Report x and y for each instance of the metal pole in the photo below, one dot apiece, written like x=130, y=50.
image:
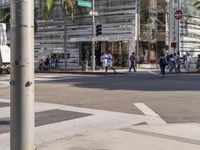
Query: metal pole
x=22, y=75
x=178, y=30
x=94, y=36
x=137, y=27
x=171, y=24
x=65, y=41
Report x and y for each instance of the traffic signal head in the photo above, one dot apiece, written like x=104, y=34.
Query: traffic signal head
x=98, y=29
x=173, y=44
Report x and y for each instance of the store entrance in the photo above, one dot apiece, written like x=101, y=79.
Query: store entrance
x=119, y=50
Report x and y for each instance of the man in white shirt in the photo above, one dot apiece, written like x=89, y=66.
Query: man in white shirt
x=188, y=61
x=109, y=62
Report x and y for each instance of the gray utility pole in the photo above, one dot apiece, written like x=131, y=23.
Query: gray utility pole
x=94, y=36
x=171, y=25
x=22, y=75
x=178, y=28
x=65, y=40
x=137, y=26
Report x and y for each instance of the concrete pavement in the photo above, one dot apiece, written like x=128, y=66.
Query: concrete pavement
x=138, y=137
x=91, y=129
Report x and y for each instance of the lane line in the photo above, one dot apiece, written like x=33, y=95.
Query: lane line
x=154, y=73
x=146, y=110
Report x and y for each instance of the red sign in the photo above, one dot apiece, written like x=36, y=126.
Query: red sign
x=178, y=14
x=173, y=44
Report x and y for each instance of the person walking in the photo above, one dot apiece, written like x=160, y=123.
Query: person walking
x=109, y=62
x=188, y=61
x=133, y=62
x=41, y=65
x=177, y=62
x=103, y=61
x=171, y=62
x=198, y=63
x=162, y=63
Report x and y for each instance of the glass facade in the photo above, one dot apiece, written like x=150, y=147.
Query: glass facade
x=190, y=29
x=124, y=29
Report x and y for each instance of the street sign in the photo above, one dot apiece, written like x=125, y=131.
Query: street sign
x=178, y=14
x=93, y=13
x=84, y=3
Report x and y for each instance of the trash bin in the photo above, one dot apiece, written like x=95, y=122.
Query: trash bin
x=85, y=66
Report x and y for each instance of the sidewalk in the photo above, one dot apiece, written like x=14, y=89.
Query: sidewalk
x=138, y=137
x=120, y=71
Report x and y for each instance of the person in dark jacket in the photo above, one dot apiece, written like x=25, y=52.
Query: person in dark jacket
x=133, y=61
x=162, y=63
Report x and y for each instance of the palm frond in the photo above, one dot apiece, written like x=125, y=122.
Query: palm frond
x=196, y=4
x=48, y=8
x=5, y=15
x=68, y=6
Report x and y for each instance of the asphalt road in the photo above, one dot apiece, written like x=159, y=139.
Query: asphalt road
x=175, y=98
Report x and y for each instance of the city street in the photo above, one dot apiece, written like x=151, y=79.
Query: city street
x=114, y=101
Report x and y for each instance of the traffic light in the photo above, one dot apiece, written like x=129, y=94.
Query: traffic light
x=173, y=44
x=98, y=29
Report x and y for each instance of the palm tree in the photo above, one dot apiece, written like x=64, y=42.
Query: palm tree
x=48, y=7
x=5, y=16
x=197, y=4
x=67, y=6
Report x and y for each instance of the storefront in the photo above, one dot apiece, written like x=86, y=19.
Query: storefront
x=120, y=51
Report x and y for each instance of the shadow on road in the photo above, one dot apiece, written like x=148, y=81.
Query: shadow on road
x=140, y=82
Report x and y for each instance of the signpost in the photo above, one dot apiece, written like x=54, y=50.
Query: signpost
x=84, y=3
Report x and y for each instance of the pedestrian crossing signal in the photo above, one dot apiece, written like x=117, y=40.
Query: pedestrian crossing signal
x=98, y=29
x=173, y=44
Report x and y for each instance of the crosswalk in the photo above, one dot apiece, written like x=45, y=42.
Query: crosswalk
x=54, y=121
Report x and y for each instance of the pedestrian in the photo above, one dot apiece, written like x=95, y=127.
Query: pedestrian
x=198, y=63
x=171, y=62
x=177, y=62
x=47, y=62
x=162, y=62
x=188, y=61
x=103, y=60
x=41, y=65
x=133, y=62
x=109, y=62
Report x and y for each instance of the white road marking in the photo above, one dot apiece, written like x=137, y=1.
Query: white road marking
x=148, y=112
x=154, y=73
